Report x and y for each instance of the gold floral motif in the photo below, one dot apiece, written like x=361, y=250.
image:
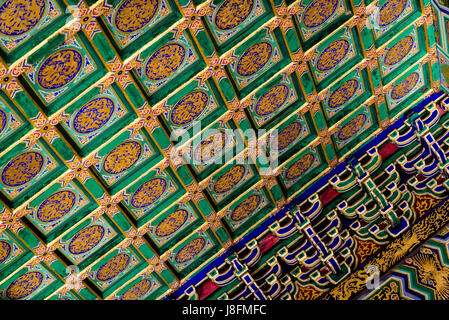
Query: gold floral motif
x=254, y=58
x=390, y=11
x=93, y=115
x=287, y=135
x=189, y=107
x=56, y=206
x=59, y=69
x=387, y=292
x=133, y=15
x=113, y=267
x=122, y=157
x=24, y=285
x=137, y=291
x=5, y=251
x=189, y=251
x=17, y=17
x=318, y=12
x=300, y=167
x=3, y=120
x=165, y=61
x=245, y=208
x=86, y=239
x=332, y=55
x=171, y=223
x=233, y=13
x=230, y=179
x=149, y=192
x=352, y=127
x=405, y=86
x=343, y=94
x=22, y=168
x=271, y=100
x=397, y=52
x=210, y=147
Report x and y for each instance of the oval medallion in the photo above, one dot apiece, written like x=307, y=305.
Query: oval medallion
x=210, y=147
x=300, y=166
x=59, y=69
x=17, y=17
x=5, y=251
x=230, y=179
x=254, y=58
x=22, y=168
x=93, y=115
x=149, y=192
x=287, y=136
x=390, y=11
x=397, y=52
x=3, y=120
x=113, y=267
x=318, y=12
x=137, y=291
x=165, y=61
x=56, y=206
x=352, y=127
x=86, y=239
x=171, y=223
x=189, y=251
x=233, y=13
x=271, y=100
x=24, y=285
x=244, y=209
x=405, y=86
x=122, y=157
x=189, y=107
x=133, y=15
x=332, y=55
x=343, y=94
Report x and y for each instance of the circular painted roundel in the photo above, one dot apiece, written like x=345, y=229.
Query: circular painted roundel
x=165, y=61
x=122, y=157
x=287, y=136
x=343, y=94
x=405, y=86
x=332, y=55
x=254, y=59
x=397, y=52
x=22, y=169
x=56, y=206
x=5, y=251
x=93, y=115
x=298, y=168
x=271, y=100
x=86, y=239
x=318, y=12
x=233, y=13
x=352, y=127
x=189, y=251
x=17, y=17
x=230, y=179
x=59, y=69
x=3, y=120
x=138, y=290
x=113, y=267
x=24, y=285
x=210, y=147
x=148, y=193
x=244, y=209
x=171, y=223
x=133, y=15
x=189, y=107
x=390, y=11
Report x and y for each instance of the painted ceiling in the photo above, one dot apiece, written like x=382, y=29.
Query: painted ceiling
x=129, y=149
